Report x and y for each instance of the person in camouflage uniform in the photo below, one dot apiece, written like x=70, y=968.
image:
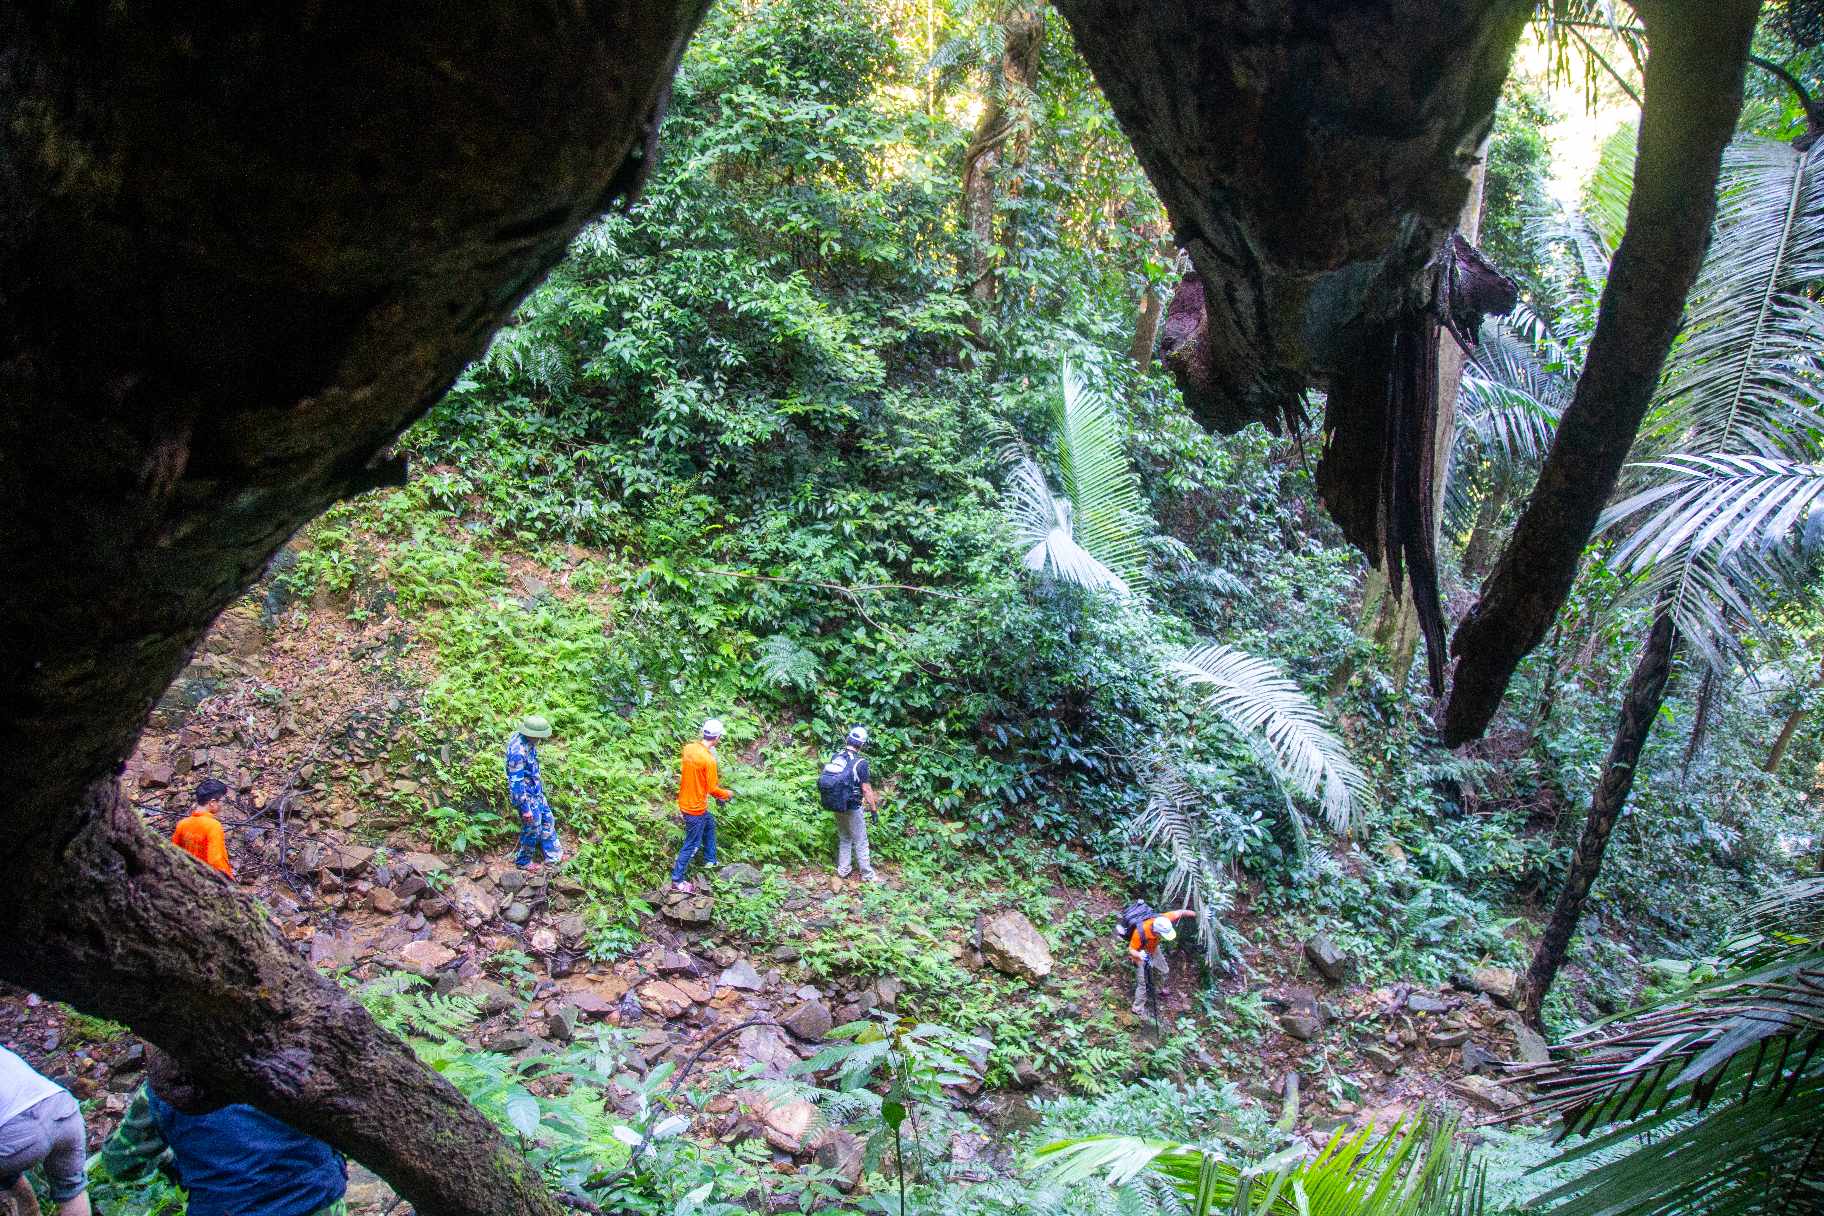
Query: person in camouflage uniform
x=526, y=790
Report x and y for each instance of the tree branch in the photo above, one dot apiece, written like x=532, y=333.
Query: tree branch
x=1694, y=94
x=119, y=923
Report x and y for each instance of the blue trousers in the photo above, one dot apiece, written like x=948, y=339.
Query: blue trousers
x=699, y=833
x=539, y=835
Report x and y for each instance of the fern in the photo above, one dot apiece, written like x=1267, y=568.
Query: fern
x=405, y=1004
x=783, y=663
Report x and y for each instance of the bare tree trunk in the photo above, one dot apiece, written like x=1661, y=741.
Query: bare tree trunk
x=1639, y=706
x=1693, y=97
x=1793, y=721
x=1146, y=327
x=998, y=147
x=1482, y=532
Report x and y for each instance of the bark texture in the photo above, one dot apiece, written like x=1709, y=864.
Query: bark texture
x=243, y=247
x=1312, y=157
x=1693, y=96
x=1639, y=706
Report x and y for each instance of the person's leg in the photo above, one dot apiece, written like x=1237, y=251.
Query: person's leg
x=66, y=1165
x=860, y=833
x=528, y=842
x=547, y=840
x=25, y=1142
x=693, y=839
x=845, y=846
x=1139, y=1005
x=709, y=839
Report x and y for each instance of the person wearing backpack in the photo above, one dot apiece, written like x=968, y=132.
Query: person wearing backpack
x=1148, y=933
x=844, y=789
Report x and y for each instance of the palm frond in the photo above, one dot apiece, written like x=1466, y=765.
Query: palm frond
x=1170, y=819
x=1094, y=534
x=1724, y=464
x=1714, y=1103
x=1743, y=379
x=1043, y=528
x=1413, y=1169
x=1260, y=703
x=1605, y=203
x=1713, y=505
x=1699, y=527
x=1099, y=480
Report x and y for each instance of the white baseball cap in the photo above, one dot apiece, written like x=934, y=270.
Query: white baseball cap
x=712, y=729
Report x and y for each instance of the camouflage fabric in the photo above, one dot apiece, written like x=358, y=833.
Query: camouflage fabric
x=137, y=1148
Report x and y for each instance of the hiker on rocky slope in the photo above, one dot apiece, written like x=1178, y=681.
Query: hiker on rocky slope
x=1148, y=933
x=233, y=1160
x=200, y=832
x=845, y=791
x=526, y=789
x=698, y=782
x=40, y=1125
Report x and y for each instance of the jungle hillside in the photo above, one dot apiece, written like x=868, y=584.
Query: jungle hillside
x=885, y=400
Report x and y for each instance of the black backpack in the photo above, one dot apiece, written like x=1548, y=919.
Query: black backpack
x=836, y=784
x=1132, y=917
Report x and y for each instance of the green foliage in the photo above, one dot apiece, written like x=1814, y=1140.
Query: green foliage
x=739, y=456
x=1514, y=199
x=405, y=1004
x=1712, y=1098
x=1413, y=1169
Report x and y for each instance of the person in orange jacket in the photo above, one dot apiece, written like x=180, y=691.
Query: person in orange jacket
x=200, y=833
x=697, y=784
x=1146, y=946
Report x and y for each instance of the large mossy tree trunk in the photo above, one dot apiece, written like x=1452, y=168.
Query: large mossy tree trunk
x=244, y=247
x=1640, y=704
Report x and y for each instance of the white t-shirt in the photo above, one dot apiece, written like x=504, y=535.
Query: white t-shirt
x=21, y=1088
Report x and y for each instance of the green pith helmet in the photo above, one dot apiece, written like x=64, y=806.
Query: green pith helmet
x=535, y=726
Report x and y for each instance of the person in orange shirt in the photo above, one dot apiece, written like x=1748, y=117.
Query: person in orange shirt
x=200, y=832
x=697, y=784
x=1151, y=932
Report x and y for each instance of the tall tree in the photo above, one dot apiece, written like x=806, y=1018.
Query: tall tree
x=997, y=150
x=1694, y=75
x=1737, y=405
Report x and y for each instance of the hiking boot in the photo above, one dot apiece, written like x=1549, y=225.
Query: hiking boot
x=871, y=876
x=683, y=888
